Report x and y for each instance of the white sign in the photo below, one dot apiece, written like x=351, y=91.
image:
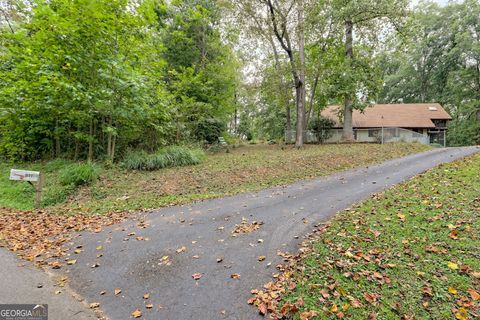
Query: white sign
x=24, y=175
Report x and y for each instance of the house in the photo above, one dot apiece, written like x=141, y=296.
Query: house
x=422, y=122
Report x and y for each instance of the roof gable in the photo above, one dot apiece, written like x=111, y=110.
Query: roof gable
x=410, y=115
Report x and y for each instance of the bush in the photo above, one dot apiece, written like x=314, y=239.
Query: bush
x=174, y=156
x=322, y=127
x=78, y=174
x=209, y=130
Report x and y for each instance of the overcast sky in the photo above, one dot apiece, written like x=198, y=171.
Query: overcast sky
x=441, y=2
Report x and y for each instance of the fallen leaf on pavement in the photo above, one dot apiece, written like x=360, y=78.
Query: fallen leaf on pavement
x=246, y=227
x=196, y=276
x=137, y=313
x=181, y=249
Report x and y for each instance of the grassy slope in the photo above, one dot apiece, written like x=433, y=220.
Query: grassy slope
x=421, y=240
x=244, y=169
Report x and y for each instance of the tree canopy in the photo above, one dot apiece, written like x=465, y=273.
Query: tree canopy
x=93, y=79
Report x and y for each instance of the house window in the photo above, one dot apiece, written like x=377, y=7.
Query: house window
x=373, y=133
x=394, y=132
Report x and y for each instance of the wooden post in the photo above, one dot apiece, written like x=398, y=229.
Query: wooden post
x=38, y=191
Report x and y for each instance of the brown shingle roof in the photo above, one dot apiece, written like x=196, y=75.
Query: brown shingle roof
x=410, y=115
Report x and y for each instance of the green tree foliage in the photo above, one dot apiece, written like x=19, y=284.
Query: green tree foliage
x=89, y=79
x=201, y=69
x=440, y=63
x=322, y=127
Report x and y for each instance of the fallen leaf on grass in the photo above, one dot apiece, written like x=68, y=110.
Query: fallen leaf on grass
x=308, y=315
x=461, y=314
x=452, y=265
x=474, y=294
x=371, y=297
x=452, y=290
x=137, y=313
x=454, y=235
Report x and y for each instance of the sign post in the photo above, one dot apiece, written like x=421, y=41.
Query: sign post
x=30, y=176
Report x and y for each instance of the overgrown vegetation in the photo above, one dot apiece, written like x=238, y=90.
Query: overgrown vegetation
x=78, y=174
x=174, y=156
x=437, y=62
x=246, y=168
x=62, y=179
x=408, y=253
x=188, y=71
x=157, y=72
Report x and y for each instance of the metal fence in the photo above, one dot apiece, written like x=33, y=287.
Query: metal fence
x=374, y=135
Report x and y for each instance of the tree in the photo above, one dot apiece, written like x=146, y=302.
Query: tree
x=440, y=63
x=364, y=16
x=280, y=16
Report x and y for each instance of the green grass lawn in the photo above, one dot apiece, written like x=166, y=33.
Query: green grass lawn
x=410, y=253
x=246, y=168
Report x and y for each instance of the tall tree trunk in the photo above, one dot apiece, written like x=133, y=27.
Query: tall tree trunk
x=300, y=82
x=112, y=152
x=347, y=134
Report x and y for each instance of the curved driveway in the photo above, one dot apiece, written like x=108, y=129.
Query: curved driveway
x=204, y=229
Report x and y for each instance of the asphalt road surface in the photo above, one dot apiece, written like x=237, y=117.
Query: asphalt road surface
x=20, y=282
x=205, y=230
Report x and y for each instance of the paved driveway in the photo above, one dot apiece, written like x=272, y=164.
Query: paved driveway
x=204, y=229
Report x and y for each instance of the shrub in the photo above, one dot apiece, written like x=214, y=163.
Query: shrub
x=322, y=127
x=78, y=174
x=209, y=130
x=173, y=156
